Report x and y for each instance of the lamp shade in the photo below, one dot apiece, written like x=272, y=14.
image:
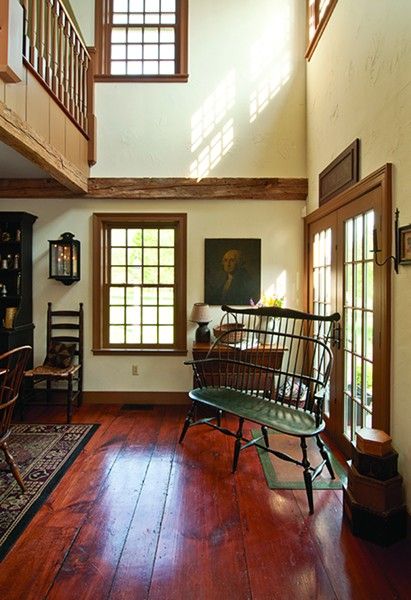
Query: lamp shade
x=201, y=313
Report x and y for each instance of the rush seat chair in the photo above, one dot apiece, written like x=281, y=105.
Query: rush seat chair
x=63, y=365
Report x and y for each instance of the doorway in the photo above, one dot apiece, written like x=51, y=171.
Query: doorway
x=343, y=277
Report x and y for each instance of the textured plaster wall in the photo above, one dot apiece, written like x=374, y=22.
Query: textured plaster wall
x=242, y=111
x=206, y=219
x=359, y=85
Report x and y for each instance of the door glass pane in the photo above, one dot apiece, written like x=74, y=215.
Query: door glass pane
x=358, y=237
x=322, y=283
x=358, y=323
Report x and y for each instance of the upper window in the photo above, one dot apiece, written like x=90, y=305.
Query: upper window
x=318, y=13
x=139, y=270
x=141, y=40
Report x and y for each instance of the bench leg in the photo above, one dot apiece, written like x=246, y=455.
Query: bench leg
x=264, y=431
x=307, y=475
x=325, y=456
x=237, y=445
x=187, y=422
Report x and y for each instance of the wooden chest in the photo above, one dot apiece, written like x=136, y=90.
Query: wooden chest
x=380, y=496
x=377, y=467
x=373, y=441
x=382, y=528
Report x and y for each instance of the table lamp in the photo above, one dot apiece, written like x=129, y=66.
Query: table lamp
x=202, y=316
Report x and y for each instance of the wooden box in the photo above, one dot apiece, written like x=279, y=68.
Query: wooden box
x=373, y=441
x=380, y=496
x=377, y=467
x=382, y=528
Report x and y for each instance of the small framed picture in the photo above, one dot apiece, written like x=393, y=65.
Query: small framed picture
x=404, y=235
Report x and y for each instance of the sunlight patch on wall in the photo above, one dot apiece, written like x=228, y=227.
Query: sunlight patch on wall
x=270, y=63
x=277, y=290
x=210, y=126
x=211, y=155
x=213, y=110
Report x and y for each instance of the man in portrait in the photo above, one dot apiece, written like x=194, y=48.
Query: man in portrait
x=234, y=278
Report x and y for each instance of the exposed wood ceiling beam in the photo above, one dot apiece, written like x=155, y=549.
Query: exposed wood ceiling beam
x=229, y=188
x=23, y=138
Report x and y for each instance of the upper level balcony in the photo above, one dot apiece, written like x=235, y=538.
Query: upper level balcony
x=46, y=89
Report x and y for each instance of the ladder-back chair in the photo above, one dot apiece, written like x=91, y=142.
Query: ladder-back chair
x=12, y=365
x=63, y=365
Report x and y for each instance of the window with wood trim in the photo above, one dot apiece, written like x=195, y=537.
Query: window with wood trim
x=318, y=14
x=141, y=40
x=139, y=302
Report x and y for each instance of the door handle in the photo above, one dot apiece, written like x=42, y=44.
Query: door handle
x=336, y=336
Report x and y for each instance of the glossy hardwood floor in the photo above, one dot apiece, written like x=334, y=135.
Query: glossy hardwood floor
x=138, y=516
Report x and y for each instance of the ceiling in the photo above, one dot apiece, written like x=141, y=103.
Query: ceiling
x=15, y=166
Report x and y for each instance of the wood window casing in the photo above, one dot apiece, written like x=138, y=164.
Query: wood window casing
x=103, y=33
x=318, y=15
x=103, y=283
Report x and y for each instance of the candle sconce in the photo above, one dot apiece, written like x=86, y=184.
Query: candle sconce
x=64, y=259
x=396, y=258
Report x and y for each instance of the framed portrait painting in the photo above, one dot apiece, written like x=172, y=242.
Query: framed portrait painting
x=232, y=271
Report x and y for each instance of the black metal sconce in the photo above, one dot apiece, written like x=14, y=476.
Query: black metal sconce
x=396, y=256
x=64, y=259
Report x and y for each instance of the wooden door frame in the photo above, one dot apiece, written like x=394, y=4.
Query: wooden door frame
x=382, y=178
x=330, y=222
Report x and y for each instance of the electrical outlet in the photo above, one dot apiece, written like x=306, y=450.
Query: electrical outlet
x=134, y=370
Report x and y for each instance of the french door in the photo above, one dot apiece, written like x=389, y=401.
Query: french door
x=342, y=277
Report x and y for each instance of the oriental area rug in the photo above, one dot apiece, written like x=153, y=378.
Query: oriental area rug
x=284, y=475
x=43, y=454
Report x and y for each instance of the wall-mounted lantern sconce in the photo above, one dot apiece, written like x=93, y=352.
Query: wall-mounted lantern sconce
x=396, y=258
x=64, y=259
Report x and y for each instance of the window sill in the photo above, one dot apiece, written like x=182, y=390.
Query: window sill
x=142, y=352
x=178, y=78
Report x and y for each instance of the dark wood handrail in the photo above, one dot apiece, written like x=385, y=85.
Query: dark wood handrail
x=54, y=49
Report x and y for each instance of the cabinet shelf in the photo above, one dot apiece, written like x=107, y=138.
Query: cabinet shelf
x=16, y=307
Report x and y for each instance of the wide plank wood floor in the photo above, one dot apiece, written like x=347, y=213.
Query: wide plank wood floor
x=138, y=516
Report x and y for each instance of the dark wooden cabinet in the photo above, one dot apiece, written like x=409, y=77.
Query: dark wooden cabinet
x=16, y=280
x=267, y=356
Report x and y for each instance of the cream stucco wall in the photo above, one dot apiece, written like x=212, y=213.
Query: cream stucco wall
x=359, y=85
x=281, y=269
x=242, y=111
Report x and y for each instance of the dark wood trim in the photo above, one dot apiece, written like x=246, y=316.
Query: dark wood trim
x=165, y=188
x=102, y=31
x=92, y=397
x=101, y=224
x=21, y=136
x=319, y=29
x=382, y=178
x=91, y=118
x=207, y=188
x=373, y=180
x=341, y=173
x=176, y=78
x=148, y=352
